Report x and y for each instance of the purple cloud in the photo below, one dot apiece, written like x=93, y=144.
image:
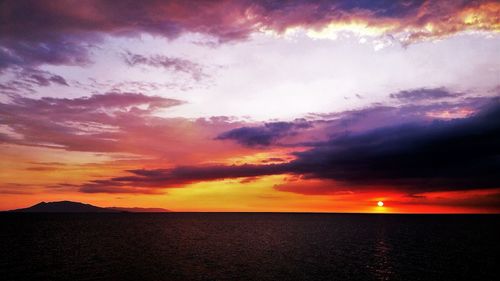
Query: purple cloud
x=25, y=80
x=41, y=78
x=178, y=177
x=35, y=32
x=459, y=154
x=424, y=94
x=32, y=52
x=266, y=134
x=94, y=123
x=442, y=155
x=168, y=63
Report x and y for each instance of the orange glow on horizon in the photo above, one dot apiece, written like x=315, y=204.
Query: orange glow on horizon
x=256, y=195
x=281, y=193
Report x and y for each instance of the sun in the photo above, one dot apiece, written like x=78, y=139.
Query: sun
x=380, y=203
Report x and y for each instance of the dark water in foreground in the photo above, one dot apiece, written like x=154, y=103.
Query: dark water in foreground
x=248, y=246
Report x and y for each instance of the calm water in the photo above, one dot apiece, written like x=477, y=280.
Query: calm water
x=248, y=246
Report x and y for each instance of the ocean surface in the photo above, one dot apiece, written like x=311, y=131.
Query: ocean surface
x=248, y=246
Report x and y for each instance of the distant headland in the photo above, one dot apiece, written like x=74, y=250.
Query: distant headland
x=78, y=207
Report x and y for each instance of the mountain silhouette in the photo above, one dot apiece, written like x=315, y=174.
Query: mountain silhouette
x=77, y=207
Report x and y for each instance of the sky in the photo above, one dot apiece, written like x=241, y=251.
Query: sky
x=265, y=106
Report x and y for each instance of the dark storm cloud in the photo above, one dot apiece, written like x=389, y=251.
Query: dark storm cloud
x=264, y=135
x=456, y=154
x=424, y=94
x=459, y=154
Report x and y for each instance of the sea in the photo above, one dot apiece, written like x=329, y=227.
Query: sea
x=248, y=246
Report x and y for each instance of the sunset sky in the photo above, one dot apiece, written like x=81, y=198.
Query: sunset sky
x=290, y=106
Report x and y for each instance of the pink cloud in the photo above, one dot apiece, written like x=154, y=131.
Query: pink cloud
x=113, y=122
x=34, y=32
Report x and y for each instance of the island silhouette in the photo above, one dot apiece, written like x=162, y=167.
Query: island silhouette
x=78, y=207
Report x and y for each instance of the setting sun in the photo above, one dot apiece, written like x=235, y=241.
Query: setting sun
x=380, y=204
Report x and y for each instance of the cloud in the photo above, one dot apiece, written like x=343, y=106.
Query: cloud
x=264, y=135
x=111, y=100
x=424, y=94
x=32, y=52
x=92, y=123
x=168, y=63
x=42, y=169
x=107, y=186
x=41, y=78
x=34, y=32
x=16, y=189
x=90, y=104
x=114, y=122
x=317, y=129
x=401, y=147
x=304, y=186
x=149, y=180
x=25, y=80
x=484, y=199
x=458, y=154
